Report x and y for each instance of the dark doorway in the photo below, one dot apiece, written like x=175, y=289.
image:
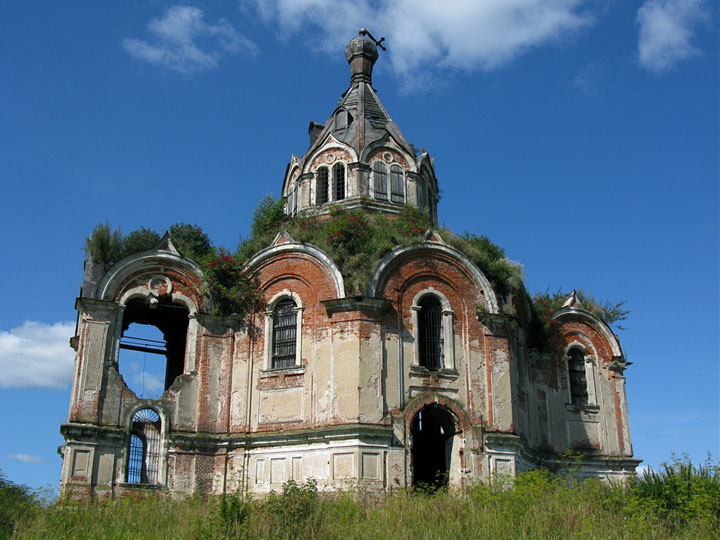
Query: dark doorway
x=432, y=431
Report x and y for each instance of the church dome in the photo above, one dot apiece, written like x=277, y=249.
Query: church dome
x=359, y=158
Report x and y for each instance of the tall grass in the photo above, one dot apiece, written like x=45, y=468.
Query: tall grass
x=681, y=501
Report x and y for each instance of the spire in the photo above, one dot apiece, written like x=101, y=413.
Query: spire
x=361, y=54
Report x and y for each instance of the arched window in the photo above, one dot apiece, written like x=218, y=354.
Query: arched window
x=397, y=191
x=339, y=181
x=380, y=180
x=342, y=119
x=577, y=377
x=284, y=339
x=430, y=332
x=421, y=193
x=291, y=200
x=143, y=464
x=321, y=186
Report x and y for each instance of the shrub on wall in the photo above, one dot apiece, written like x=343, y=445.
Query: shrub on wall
x=230, y=286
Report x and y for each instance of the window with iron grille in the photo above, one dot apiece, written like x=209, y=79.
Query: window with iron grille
x=380, y=180
x=578, y=380
x=284, y=334
x=144, y=452
x=339, y=181
x=321, y=187
x=397, y=193
x=430, y=332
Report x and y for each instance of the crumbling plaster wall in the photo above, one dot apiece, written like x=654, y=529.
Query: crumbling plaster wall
x=342, y=415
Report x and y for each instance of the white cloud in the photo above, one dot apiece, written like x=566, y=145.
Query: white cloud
x=182, y=41
x=37, y=355
x=666, y=31
x=144, y=380
x=26, y=458
x=454, y=33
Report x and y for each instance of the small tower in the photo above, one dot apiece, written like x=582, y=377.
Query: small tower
x=359, y=157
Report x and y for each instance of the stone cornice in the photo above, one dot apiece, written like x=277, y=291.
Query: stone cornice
x=357, y=303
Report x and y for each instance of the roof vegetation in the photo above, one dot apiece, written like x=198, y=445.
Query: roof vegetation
x=356, y=240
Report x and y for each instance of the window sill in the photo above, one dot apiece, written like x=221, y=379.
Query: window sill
x=279, y=378
x=582, y=408
x=436, y=374
x=276, y=372
x=132, y=485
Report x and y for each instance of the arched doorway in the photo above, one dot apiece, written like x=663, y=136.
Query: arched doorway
x=433, y=432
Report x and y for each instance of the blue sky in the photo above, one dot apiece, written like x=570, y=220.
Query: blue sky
x=581, y=136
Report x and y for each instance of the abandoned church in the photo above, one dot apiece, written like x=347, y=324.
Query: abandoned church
x=423, y=373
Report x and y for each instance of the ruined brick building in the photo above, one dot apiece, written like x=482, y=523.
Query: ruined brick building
x=426, y=374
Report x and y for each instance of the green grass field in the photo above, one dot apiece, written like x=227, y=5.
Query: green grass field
x=681, y=501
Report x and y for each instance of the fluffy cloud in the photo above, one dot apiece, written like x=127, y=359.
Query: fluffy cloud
x=666, y=31
x=37, y=355
x=182, y=41
x=26, y=458
x=452, y=33
x=145, y=382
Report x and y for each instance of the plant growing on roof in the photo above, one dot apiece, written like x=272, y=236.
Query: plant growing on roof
x=231, y=287
x=104, y=245
x=190, y=240
x=138, y=240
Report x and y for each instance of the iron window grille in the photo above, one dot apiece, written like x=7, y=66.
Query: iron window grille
x=397, y=193
x=144, y=452
x=284, y=334
x=578, y=379
x=430, y=333
x=380, y=180
x=339, y=181
x=322, y=185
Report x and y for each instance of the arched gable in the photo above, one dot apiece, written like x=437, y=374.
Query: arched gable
x=161, y=270
x=328, y=145
x=425, y=168
x=295, y=166
x=389, y=143
x=306, y=251
x=425, y=250
x=574, y=321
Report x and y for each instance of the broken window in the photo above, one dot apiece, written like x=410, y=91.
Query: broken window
x=339, y=181
x=284, y=342
x=577, y=377
x=321, y=186
x=396, y=184
x=143, y=462
x=152, y=345
x=430, y=332
x=380, y=180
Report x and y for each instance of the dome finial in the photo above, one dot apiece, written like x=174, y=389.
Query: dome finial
x=361, y=54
